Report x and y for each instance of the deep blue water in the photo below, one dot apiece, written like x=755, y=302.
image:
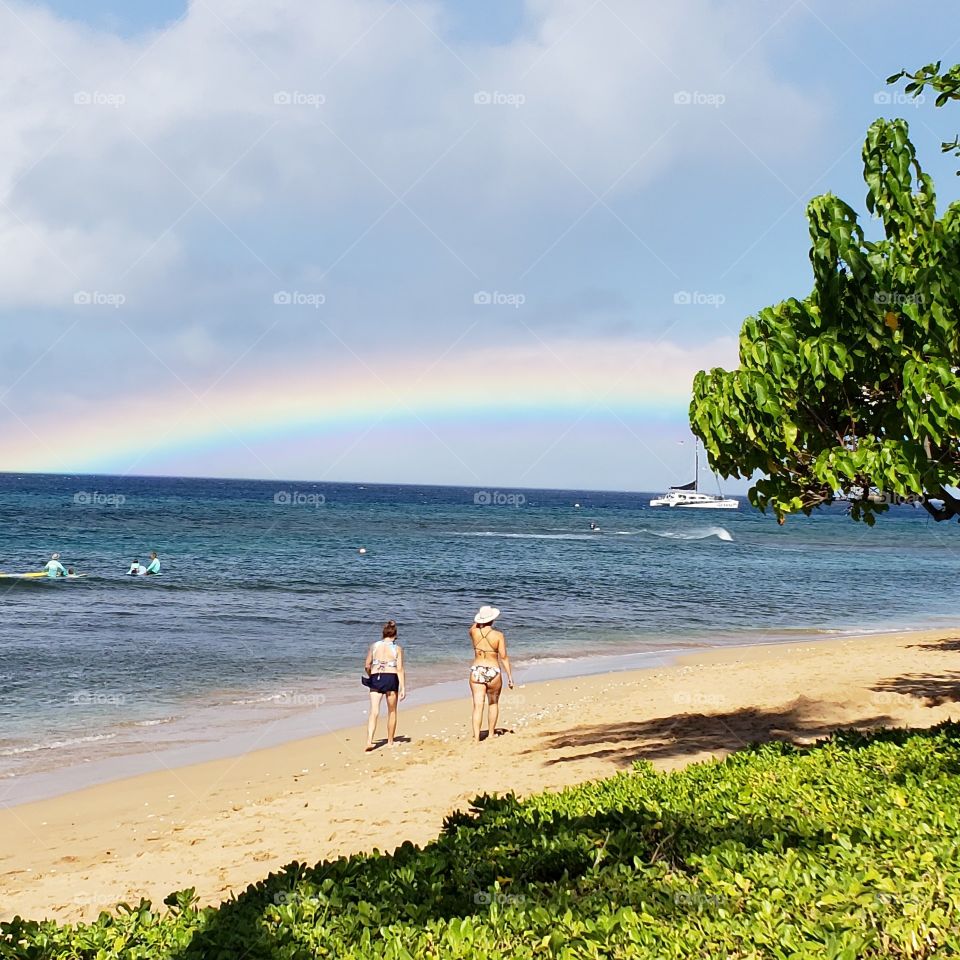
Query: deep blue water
x=260, y=598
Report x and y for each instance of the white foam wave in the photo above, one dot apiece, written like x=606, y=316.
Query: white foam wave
x=55, y=744
x=153, y=723
x=266, y=698
x=696, y=533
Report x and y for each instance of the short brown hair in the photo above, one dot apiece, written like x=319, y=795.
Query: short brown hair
x=390, y=630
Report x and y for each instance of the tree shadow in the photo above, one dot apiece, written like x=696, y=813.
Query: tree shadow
x=933, y=689
x=683, y=735
x=946, y=644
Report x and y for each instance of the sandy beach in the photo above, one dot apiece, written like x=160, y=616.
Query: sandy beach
x=221, y=825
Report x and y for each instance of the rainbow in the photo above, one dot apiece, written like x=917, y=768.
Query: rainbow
x=547, y=380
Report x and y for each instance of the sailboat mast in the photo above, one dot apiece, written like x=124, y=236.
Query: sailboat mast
x=696, y=475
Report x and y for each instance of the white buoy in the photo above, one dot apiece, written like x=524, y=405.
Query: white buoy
x=362, y=550
x=577, y=505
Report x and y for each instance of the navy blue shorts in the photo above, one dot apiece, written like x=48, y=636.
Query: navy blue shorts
x=385, y=682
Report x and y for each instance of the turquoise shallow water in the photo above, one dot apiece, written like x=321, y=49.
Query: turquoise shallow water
x=266, y=605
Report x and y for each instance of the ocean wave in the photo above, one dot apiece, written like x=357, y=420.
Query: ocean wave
x=55, y=744
x=265, y=698
x=696, y=533
x=154, y=723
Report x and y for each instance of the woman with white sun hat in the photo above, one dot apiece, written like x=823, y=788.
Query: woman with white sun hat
x=486, y=679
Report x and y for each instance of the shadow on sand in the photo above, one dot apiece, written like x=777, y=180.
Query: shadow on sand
x=933, y=689
x=684, y=735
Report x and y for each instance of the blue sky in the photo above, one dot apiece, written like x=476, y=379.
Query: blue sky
x=606, y=162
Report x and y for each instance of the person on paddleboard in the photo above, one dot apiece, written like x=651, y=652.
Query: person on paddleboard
x=54, y=567
x=137, y=569
x=153, y=568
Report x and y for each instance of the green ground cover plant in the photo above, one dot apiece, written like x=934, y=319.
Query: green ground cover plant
x=848, y=849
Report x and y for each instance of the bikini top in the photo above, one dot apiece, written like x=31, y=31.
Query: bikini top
x=483, y=636
x=376, y=662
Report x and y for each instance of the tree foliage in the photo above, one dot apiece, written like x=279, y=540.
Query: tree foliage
x=946, y=85
x=853, y=390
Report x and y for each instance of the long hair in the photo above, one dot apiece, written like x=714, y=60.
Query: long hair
x=390, y=630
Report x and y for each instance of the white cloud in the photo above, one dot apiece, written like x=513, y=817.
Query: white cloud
x=162, y=166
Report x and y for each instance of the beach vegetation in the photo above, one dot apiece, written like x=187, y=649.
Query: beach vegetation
x=848, y=849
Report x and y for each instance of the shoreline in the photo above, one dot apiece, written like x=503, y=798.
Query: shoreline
x=230, y=731
x=222, y=824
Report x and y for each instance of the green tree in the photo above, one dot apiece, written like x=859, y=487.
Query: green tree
x=946, y=85
x=854, y=389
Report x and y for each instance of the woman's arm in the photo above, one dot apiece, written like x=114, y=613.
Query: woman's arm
x=369, y=662
x=400, y=672
x=504, y=659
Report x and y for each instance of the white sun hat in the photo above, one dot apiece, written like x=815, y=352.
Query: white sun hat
x=486, y=615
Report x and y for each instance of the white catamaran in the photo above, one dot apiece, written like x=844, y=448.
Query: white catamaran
x=688, y=495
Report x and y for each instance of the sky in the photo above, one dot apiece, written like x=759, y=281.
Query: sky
x=416, y=241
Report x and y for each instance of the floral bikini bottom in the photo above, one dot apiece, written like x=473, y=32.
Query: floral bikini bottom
x=484, y=674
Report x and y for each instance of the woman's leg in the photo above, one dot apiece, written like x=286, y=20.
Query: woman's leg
x=478, y=691
x=493, y=699
x=391, y=717
x=372, y=719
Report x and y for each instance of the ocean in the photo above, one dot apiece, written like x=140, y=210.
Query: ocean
x=258, y=626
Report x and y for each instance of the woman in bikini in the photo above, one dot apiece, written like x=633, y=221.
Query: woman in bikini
x=486, y=680
x=384, y=667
